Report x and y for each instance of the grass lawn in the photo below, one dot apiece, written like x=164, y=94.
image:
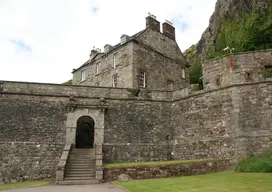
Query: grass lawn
x=25, y=184
x=132, y=164
x=215, y=182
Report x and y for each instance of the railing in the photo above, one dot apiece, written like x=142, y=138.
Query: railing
x=62, y=163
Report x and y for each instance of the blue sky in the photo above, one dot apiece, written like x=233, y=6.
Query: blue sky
x=21, y=45
x=42, y=41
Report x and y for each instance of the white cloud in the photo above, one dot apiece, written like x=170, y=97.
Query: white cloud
x=59, y=34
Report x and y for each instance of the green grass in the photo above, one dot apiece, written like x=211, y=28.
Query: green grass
x=216, y=182
x=153, y=163
x=256, y=163
x=26, y=184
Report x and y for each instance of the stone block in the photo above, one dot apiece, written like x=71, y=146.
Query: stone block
x=59, y=175
x=99, y=175
x=99, y=162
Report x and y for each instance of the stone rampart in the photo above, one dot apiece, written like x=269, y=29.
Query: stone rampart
x=236, y=68
x=225, y=123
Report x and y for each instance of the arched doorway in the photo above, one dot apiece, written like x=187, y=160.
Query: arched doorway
x=85, y=132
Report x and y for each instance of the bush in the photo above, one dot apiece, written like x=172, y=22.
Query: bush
x=69, y=82
x=256, y=163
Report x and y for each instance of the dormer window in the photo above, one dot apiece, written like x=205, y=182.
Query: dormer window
x=124, y=39
x=83, y=75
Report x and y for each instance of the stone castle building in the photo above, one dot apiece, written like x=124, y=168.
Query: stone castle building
x=133, y=103
x=149, y=59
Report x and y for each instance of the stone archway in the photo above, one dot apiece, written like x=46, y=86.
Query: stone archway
x=85, y=132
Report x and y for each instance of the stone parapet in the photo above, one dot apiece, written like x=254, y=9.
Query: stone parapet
x=62, y=163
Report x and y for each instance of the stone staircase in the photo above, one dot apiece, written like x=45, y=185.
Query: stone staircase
x=80, y=168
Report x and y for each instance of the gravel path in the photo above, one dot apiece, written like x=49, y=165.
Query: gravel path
x=106, y=187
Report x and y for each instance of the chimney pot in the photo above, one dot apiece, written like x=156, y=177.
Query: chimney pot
x=152, y=23
x=169, y=30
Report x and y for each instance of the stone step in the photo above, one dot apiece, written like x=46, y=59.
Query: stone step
x=75, y=149
x=80, y=164
x=79, y=178
x=70, y=167
x=79, y=175
x=78, y=182
x=82, y=156
x=80, y=169
x=82, y=159
x=83, y=152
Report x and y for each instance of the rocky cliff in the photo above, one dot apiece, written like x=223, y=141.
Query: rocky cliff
x=244, y=25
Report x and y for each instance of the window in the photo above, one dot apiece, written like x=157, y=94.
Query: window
x=97, y=68
x=83, y=75
x=183, y=73
x=114, y=80
x=218, y=80
x=142, y=79
x=114, y=60
x=248, y=76
x=170, y=84
x=268, y=72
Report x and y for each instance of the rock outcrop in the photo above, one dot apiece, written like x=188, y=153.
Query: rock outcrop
x=244, y=25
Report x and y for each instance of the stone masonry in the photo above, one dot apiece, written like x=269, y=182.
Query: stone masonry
x=236, y=69
x=228, y=120
x=153, y=52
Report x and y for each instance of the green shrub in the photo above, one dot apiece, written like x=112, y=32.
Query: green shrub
x=69, y=82
x=256, y=163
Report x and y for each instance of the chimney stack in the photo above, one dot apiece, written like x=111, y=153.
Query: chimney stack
x=152, y=23
x=168, y=30
x=93, y=53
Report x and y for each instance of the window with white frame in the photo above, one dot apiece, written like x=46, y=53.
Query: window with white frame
x=183, y=73
x=114, y=60
x=114, y=80
x=83, y=75
x=142, y=78
x=97, y=68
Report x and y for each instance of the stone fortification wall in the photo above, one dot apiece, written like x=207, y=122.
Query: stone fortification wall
x=32, y=136
x=137, y=131
x=230, y=122
x=236, y=69
x=33, y=125
x=226, y=123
